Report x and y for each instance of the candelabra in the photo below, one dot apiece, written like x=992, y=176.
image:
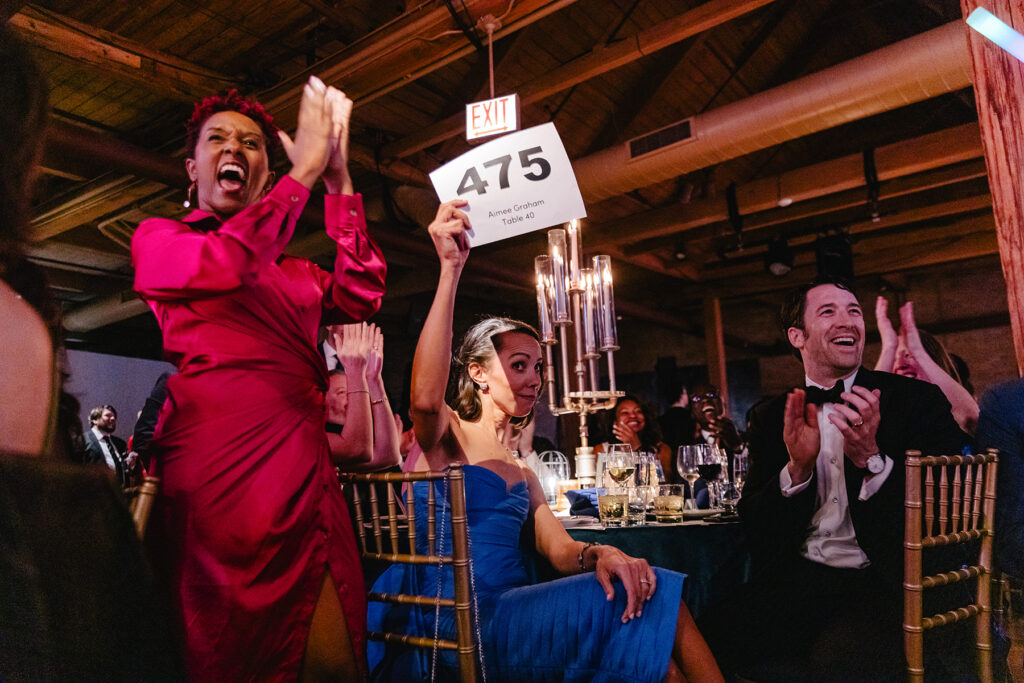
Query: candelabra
x=583, y=299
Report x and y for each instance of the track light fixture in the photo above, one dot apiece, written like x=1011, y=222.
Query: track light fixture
x=778, y=260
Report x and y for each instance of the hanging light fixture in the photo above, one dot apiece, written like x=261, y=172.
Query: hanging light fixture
x=778, y=260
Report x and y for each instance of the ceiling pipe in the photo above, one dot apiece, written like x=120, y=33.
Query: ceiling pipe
x=109, y=309
x=105, y=152
x=925, y=66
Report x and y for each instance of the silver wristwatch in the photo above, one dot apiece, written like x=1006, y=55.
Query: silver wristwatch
x=876, y=463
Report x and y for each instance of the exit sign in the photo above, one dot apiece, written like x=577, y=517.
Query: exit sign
x=490, y=117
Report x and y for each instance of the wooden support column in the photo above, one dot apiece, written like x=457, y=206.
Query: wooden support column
x=999, y=92
x=714, y=344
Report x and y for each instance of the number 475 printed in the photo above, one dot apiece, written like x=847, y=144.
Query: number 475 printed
x=515, y=184
x=527, y=159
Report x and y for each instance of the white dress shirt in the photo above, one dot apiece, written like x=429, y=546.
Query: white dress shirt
x=331, y=356
x=111, y=458
x=832, y=539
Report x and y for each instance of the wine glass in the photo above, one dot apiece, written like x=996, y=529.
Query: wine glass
x=687, y=459
x=620, y=463
x=713, y=468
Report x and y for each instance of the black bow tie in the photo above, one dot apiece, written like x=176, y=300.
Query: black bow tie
x=820, y=396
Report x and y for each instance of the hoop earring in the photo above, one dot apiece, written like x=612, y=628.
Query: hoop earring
x=188, y=195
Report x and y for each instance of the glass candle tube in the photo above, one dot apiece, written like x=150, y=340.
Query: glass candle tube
x=542, y=268
x=559, y=300
x=589, y=322
x=605, y=303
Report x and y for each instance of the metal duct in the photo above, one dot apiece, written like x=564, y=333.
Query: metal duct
x=930, y=64
x=110, y=309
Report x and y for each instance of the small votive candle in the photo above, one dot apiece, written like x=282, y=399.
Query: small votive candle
x=562, y=504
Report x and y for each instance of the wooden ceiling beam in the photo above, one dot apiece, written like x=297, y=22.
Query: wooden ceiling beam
x=101, y=199
x=117, y=57
x=601, y=60
x=906, y=157
x=896, y=224
x=879, y=254
x=758, y=226
x=417, y=43
x=333, y=15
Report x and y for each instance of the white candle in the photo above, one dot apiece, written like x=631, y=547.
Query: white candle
x=574, y=253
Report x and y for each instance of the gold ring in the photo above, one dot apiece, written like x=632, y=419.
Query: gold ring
x=644, y=581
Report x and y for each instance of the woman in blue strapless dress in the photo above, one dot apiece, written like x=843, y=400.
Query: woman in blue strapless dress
x=613, y=617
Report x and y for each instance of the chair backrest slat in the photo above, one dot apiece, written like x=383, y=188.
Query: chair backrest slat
x=955, y=524
x=943, y=501
x=970, y=522
x=357, y=506
x=375, y=516
x=929, y=501
x=410, y=514
x=392, y=517
x=431, y=521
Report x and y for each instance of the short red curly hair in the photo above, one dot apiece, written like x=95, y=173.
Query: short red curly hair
x=232, y=101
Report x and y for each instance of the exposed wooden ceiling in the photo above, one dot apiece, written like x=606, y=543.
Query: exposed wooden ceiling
x=123, y=75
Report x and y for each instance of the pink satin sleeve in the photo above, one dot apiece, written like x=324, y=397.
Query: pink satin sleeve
x=173, y=261
x=353, y=292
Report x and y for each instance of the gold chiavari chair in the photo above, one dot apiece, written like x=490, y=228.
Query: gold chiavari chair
x=957, y=507
x=385, y=534
x=140, y=502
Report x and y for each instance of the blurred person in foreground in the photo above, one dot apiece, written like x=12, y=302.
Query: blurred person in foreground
x=578, y=627
x=77, y=599
x=917, y=354
x=822, y=506
x=361, y=429
x=260, y=550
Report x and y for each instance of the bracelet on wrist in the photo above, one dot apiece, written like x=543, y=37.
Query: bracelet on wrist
x=579, y=557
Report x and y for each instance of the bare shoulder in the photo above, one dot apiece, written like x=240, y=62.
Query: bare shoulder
x=26, y=375
x=449, y=448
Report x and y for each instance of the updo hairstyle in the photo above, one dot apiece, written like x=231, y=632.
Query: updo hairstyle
x=480, y=344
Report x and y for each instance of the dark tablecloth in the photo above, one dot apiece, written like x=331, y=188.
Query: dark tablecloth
x=712, y=555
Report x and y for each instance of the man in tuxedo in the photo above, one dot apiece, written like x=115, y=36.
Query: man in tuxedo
x=822, y=506
x=102, y=447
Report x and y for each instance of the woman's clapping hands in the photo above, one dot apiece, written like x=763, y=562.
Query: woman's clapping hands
x=354, y=344
x=320, y=146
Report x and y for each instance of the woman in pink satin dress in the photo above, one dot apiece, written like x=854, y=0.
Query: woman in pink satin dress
x=260, y=551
